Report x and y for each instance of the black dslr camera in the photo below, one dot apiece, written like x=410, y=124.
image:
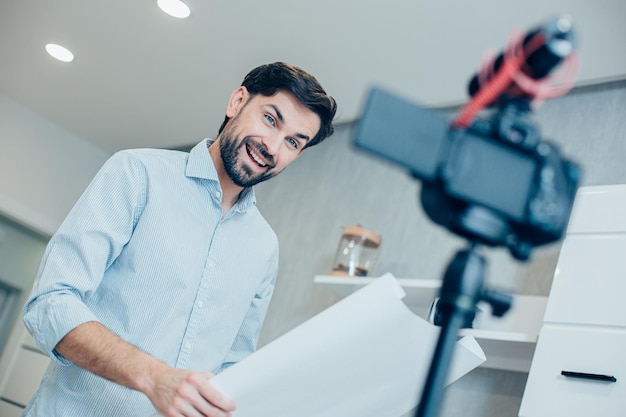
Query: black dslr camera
x=491, y=180
x=495, y=182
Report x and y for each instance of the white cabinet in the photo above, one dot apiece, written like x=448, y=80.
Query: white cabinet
x=508, y=342
x=578, y=368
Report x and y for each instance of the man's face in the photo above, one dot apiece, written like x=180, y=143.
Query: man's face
x=264, y=135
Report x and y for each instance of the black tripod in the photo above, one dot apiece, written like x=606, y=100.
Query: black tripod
x=461, y=290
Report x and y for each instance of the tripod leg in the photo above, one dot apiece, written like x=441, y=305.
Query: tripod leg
x=432, y=394
x=460, y=292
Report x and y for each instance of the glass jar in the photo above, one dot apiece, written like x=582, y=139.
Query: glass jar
x=357, y=252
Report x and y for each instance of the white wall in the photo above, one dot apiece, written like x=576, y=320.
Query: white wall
x=43, y=168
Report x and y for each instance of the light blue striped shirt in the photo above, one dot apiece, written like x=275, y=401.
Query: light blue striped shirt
x=146, y=252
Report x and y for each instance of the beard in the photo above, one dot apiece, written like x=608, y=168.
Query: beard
x=240, y=173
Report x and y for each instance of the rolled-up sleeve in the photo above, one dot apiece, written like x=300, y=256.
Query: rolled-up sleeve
x=88, y=241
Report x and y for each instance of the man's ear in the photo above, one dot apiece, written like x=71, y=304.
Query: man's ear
x=238, y=98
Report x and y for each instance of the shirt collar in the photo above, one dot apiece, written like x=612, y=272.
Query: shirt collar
x=200, y=165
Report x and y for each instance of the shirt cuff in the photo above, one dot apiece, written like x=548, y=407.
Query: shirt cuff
x=49, y=319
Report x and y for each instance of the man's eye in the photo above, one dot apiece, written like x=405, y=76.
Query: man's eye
x=293, y=142
x=270, y=119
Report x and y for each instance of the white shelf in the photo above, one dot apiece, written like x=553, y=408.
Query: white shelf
x=508, y=342
x=419, y=292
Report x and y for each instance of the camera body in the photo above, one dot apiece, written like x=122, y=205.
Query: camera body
x=495, y=183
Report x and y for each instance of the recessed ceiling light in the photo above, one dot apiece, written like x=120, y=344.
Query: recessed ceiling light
x=59, y=52
x=174, y=8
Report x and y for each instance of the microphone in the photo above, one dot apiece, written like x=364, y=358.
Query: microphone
x=544, y=48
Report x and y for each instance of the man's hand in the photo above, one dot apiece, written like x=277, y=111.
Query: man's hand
x=179, y=392
x=173, y=392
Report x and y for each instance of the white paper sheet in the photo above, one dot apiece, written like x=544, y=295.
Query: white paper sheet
x=367, y=355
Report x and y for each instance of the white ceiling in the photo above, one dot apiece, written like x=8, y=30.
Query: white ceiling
x=141, y=78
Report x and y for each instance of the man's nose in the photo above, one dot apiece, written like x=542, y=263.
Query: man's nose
x=272, y=143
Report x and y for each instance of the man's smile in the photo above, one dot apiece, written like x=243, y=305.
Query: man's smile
x=257, y=155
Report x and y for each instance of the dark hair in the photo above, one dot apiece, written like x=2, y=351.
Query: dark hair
x=268, y=79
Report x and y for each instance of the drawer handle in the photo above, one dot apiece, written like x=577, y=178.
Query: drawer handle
x=596, y=377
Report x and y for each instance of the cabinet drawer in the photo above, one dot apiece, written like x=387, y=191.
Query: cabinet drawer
x=590, y=351
x=9, y=410
x=590, y=281
x=25, y=376
x=599, y=209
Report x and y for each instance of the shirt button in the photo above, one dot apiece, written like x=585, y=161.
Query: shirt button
x=218, y=194
x=200, y=304
x=187, y=345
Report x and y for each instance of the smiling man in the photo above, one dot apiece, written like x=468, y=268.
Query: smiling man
x=261, y=136
x=162, y=273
